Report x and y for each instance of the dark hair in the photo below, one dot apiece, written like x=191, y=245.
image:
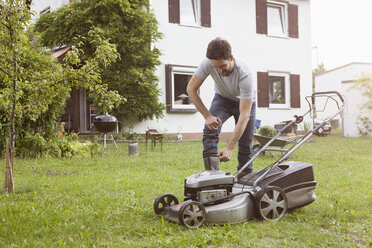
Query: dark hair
x=218, y=49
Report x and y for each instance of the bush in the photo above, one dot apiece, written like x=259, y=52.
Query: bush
x=31, y=145
x=57, y=146
x=267, y=131
x=129, y=136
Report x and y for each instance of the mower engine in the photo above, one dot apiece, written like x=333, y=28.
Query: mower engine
x=208, y=185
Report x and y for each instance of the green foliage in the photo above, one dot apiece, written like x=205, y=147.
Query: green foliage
x=34, y=85
x=364, y=125
x=306, y=126
x=316, y=71
x=267, y=131
x=58, y=146
x=364, y=85
x=319, y=69
x=133, y=29
x=129, y=136
x=88, y=74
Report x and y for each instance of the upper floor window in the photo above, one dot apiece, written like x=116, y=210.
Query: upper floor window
x=190, y=12
x=277, y=18
x=277, y=21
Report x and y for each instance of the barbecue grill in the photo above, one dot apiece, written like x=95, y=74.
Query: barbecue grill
x=106, y=124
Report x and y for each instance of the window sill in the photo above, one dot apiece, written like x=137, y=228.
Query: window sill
x=278, y=36
x=190, y=25
x=279, y=108
x=179, y=110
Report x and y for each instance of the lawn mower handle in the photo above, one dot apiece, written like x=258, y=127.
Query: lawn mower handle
x=326, y=93
x=297, y=120
x=307, y=136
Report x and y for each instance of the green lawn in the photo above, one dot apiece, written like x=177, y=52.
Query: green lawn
x=108, y=201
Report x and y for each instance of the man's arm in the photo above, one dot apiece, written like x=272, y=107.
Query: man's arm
x=245, y=112
x=211, y=121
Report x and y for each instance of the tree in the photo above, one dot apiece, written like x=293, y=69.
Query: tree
x=133, y=28
x=32, y=83
x=316, y=71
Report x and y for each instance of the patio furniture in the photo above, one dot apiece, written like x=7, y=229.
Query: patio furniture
x=154, y=136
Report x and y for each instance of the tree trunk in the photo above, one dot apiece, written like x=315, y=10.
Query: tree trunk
x=10, y=144
x=9, y=179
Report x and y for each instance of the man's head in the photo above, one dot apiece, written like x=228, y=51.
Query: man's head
x=219, y=52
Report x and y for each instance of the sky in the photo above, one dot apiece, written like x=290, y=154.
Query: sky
x=341, y=32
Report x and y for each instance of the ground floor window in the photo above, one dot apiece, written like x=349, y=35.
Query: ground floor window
x=276, y=89
x=177, y=78
x=279, y=90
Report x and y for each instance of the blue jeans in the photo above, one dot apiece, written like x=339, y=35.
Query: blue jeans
x=224, y=108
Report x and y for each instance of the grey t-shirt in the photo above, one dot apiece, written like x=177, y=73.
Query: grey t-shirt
x=238, y=85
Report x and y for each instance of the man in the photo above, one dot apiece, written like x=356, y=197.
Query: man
x=235, y=96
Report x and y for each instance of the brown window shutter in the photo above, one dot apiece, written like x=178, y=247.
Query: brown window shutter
x=295, y=91
x=205, y=13
x=168, y=86
x=263, y=89
x=261, y=16
x=293, y=20
x=174, y=11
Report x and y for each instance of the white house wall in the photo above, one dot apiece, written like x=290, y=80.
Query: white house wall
x=234, y=20
x=341, y=80
x=354, y=109
x=40, y=5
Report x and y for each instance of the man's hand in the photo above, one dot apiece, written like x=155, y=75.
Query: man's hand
x=225, y=154
x=213, y=122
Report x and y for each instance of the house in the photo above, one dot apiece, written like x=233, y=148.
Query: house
x=78, y=111
x=272, y=36
x=342, y=79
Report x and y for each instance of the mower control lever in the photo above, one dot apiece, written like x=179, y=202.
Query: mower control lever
x=299, y=119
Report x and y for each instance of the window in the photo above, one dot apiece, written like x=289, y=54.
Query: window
x=278, y=90
x=45, y=11
x=177, y=78
x=190, y=12
x=277, y=18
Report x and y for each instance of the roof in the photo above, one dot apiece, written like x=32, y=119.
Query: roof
x=61, y=52
x=338, y=68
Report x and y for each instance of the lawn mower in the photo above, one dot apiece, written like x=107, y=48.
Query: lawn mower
x=218, y=197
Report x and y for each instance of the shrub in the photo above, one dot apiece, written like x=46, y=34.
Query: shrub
x=57, y=146
x=129, y=135
x=364, y=125
x=31, y=145
x=267, y=131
